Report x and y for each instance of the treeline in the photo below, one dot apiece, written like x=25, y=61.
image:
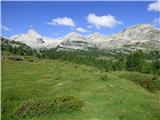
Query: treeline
x=89, y=58
x=152, y=55
x=135, y=61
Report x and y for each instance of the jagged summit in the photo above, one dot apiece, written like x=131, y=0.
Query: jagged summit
x=139, y=27
x=96, y=34
x=141, y=32
x=97, y=37
x=140, y=35
x=33, y=39
x=142, y=26
x=72, y=34
x=32, y=32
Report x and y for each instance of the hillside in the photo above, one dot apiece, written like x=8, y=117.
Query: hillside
x=80, y=60
x=105, y=96
x=16, y=47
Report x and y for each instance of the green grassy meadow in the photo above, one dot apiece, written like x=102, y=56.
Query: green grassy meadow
x=115, y=98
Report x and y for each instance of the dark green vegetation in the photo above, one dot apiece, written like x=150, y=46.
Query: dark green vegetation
x=80, y=85
x=134, y=61
x=48, y=106
x=146, y=81
x=17, y=47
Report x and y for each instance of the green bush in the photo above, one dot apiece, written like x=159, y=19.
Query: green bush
x=46, y=106
x=144, y=80
x=104, y=76
x=155, y=77
x=156, y=66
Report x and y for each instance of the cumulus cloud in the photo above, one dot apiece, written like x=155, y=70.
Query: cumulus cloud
x=155, y=6
x=65, y=21
x=107, y=21
x=82, y=30
x=5, y=28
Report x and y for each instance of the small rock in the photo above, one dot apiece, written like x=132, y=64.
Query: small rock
x=59, y=84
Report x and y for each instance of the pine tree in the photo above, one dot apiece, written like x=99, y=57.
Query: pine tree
x=135, y=61
x=156, y=66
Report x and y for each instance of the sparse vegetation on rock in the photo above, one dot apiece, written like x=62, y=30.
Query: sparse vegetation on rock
x=16, y=58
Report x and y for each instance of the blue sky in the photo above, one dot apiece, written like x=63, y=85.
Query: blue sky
x=55, y=19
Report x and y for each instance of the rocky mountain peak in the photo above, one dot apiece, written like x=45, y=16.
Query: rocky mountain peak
x=33, y=39
x=96, y=34
x=73, y=34
x=96, y=37
x=142, y=32
x=142, y=27
x=33, y=33
x=141, y=35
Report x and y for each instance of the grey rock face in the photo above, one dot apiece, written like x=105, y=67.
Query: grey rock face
x=142, y=36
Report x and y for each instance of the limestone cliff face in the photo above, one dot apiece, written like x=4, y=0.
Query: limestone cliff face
x=142, y=36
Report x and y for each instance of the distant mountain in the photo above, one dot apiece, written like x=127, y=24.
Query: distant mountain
x=16, y=47
x=35, y=40
x=73, y=41
x=97, y=37
x=143, y=36
x=139, y=33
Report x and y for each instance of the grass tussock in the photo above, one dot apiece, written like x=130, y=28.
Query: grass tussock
x=46, y=106
x=104, y=76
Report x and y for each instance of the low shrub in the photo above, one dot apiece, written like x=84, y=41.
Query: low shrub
x=76, y=66
x=66, y=104
x=46, y=106
x=155, y=77
x=146, y=81
x=31, y=60
x=57, y=77
x=104, y=76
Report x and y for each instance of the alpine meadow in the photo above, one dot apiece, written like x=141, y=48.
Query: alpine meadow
x=80, y=60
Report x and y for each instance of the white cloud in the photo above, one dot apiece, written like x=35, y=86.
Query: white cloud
x=102, y=21
x=156, y=21
x=80, y=29
x=5, y=28
x=155, y=6
x=65, y=21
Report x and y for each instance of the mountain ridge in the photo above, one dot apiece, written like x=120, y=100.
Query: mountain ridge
x=34, y=39
x=138, y=36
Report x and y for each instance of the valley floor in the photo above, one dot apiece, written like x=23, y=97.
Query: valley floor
x=114, y=98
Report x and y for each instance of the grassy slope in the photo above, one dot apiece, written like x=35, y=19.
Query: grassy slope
x=114, y=99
